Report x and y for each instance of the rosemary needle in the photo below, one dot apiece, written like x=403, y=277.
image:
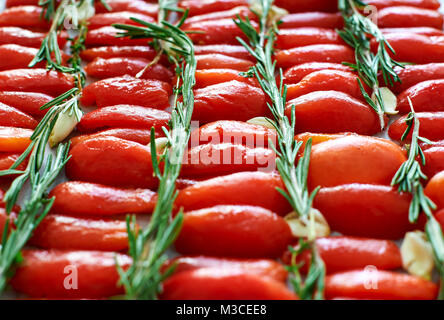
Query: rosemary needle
x=294, y=176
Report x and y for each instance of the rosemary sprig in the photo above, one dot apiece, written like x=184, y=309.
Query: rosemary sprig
x=144, y=278
x=294, y=176
x=409, y=179
x=357, y=33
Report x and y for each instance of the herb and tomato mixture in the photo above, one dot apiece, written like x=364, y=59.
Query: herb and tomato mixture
x=222, y=149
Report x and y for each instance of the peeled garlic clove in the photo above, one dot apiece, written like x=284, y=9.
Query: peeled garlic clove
x=86, y=10
x=161, y=144
x=65, y=123
x=312, y=226
x=417, y=255
x=275, y=14
x=389, y=99
x=261, y=121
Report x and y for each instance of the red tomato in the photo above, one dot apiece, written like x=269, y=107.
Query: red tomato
x=333, y=112
x=317, y=138
x=27, y=38
x=435, y=189
x=24, y=17
x=106, y=36
x=342, y=253
x=312, y=19
x=221, y=31
x=142, y=136
x=11, y=117
x=299, y=37
x=354, y=159
x=112, y=161
x=308, y=5
x=28, y=102
x=121, y=17
x=325, y=80
x=71, y=233
x=228, y=50
x=116, y=67
x=334, y=53
x=425, y=31
x=365, y=210
x=8, y=159
x=431, y=124
x=244, y=188
x=118, y=51
x=233, y=231
x=14, y=139
x=224, y=284
x=232, y=100
x=428, y=4
x=212, y=160
x=242, y=11
x=221, y=61
x=298, y=72
x=199, y=7
x=127, y=90
x=36, y=80
x=434, y=157
x=209, y=77
x=82, y=198
x=411, y=75
x=379, y=285
x=44, y=274
x=235, y=132
x=124, y=116
x=136, y=6
x=405, y=44
x=404, y=16
x=262, y=267
x=425, y=96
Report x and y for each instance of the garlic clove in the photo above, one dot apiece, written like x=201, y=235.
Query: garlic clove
x=161, y=144
x=312, y=226
x=65, y=123
x=389, y=99
x=417, y=255
x=262, y=121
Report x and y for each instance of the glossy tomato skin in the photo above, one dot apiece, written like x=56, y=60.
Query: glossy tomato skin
x=308, y=5
x=112, y=161
x=235, y=132
x=124, y=116
x=325, y=80
x=425, y=97
x=221, y=61
x=127, y=90
x=212, y=160
x=333, y=53
x=431, y=124
x=106, y=36
x=149, y=9
x=244, y=188
x=262, y=267
x=354, y=159
x=221, y=31
x=435, y=189
x=390, y=286
x=312, y=19
x=406, y=16
x=199, y=7
x=108, y=52
x=317, y=138
x=75, y=233
x=116, y=67
x=14, y=139
x=122, y=17
x=425, y=31
x=11, y=117
x=298, y=72
x=404, y=44
x=42, y=274
x=434, y=156
x=14, y=3
x=365, y=210
x=232, y=100
x=224, y=284
x=36, y=80
x=234, y=231
x=341, y=253
x=242, y=11
x=19, y=36
x=305, y=36
x=428, y=4
x=28, y=102
x=142, y=136
x=333, y=112
x=235, y=51
x=8, y=159
x=90, y=199
x=209, y=77
x=24, y=17
x=411, y=75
